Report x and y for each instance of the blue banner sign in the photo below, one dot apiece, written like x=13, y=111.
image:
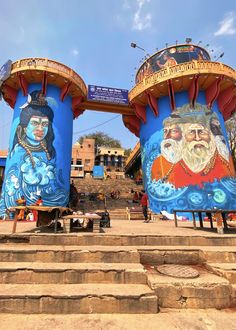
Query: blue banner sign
x=5, y=71
x=107, y=94
x=98, y=171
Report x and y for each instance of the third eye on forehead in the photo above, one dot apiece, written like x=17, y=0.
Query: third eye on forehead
x=37, y=120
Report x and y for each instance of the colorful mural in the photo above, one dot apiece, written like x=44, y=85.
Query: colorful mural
x=187, y=163
x=35, y=165
x=171, y=56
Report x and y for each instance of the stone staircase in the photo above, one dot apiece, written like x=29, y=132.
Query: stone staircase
x=118, y=214
x=94, y=186
x=83, y=274
x=212, y=289
x=68, y=280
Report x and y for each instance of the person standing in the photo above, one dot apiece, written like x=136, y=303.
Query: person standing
x=144, y=204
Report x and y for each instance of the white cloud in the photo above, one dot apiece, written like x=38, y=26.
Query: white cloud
x=126, y=5
x=227, y=25
x=75, y=52
x=141, y=21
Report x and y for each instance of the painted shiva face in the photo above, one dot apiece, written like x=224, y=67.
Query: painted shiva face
x=37, y=128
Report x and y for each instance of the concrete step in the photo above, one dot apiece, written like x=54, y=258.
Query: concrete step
x=77, y=298
x=71, y=273
x=117, y=216
x=49, y=253
x=206, y=291
x=130, y=240
x=116, y=254
x=222, y=255
x=110, y=239
x=233, y=304
x=226, y=270
x=186, y=255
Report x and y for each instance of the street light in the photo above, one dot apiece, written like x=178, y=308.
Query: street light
x=221, y=55
x=188, y=40
x=136, y=46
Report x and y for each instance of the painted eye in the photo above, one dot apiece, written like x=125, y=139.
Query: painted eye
x=45, y=124
x=34, y=123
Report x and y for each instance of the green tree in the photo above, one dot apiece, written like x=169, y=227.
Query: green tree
x=101, y=139
x=128, y=152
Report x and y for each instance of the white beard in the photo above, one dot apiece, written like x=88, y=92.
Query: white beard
x=172, y=153
x=196, y=158
x=222, y=147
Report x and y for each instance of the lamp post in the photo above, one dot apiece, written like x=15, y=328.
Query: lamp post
x=133, y=45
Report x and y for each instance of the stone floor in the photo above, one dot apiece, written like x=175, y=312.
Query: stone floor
x=208, y=319
x=133, y=227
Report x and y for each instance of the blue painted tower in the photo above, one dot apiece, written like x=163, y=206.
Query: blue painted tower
x=45, y=96
x=181, y=101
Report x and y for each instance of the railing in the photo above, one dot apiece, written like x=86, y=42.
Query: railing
x=133, y=154
x=44, y=64
x=187, y=68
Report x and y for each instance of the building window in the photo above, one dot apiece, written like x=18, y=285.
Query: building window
x=87, y=161
x=89, y=145
x=78, y=161
x=72, y=161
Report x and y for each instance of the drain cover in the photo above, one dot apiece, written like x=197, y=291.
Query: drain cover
x=177, y=271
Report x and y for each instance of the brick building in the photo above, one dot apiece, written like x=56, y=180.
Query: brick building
x=113, y=160
x=83, y=158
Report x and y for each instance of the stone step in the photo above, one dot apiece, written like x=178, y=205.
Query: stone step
x=233, y=304
x=206, y=291
x=109, y=239
x=226, y=270
x=71, y=273
x=186, y=255
x=222, y=255
x=68, y=254
x=77, y=298
x=117, y=216
x=129, y=240
x=126, y=254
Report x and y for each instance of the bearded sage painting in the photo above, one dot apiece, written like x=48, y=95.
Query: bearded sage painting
x=188, y=164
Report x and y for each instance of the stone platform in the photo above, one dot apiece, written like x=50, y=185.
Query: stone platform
x=112, y=272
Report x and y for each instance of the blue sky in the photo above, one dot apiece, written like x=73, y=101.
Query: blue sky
x=93, y=37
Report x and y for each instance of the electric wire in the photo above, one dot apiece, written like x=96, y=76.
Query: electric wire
x=103, y=123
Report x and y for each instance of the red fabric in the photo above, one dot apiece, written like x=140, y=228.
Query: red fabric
x=181, y=176
x=35, y=213
x=144, y=200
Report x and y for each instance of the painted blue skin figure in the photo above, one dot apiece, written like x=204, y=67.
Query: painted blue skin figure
x=32, y=160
